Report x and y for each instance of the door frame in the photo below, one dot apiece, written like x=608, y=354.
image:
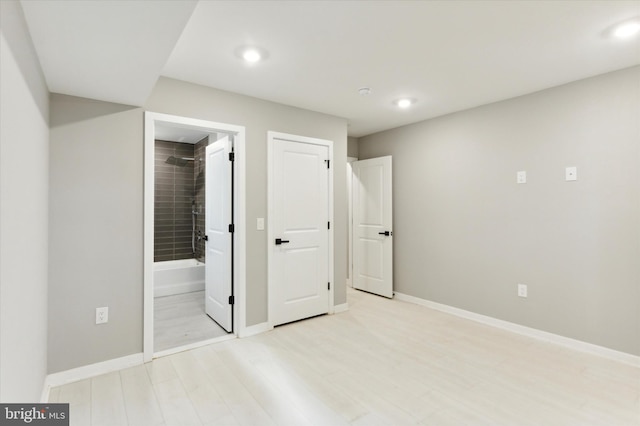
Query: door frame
x=239, y=219
x=350, y=220
x=271, y=137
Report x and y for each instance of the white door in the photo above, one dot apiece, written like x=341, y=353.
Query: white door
x=218, y=260
x=298, y=230
x=372, y=226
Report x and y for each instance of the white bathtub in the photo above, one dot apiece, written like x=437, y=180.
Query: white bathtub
x=177, y=276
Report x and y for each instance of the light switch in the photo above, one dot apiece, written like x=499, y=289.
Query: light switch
x=521, y=177
x=260, y=224
x=571, y=173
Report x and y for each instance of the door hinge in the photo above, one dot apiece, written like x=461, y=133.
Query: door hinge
x=328, y=225
x=232, y=228
x=328, y=163
x=328, y=286
x=232, y=300
x=232, y=156
x=206, y=238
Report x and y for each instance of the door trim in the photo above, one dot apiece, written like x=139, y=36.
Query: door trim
x=350, y=220
x=239, y=217
x=271, y=137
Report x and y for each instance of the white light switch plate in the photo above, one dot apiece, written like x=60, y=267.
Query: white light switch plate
x=571, y=173
x=260, y=224
x=521, y=177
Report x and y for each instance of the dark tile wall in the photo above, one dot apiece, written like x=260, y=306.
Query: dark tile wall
x=174, y=195
x=199, y=187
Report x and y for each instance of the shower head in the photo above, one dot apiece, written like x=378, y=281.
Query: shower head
x=178, y=161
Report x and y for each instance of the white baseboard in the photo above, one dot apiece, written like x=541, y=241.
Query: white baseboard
x=526, y=331
x=92, y=370
x=340, y=308
x=180, y=288
x=252, y=330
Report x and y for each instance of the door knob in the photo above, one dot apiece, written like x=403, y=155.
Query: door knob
x=385, y=233
x=281, y=241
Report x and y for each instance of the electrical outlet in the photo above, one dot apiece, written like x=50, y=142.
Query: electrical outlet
x=522, y=290
x=102, y=315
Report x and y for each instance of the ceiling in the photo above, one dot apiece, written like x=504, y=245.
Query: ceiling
x=448, y=55
x=184, y=134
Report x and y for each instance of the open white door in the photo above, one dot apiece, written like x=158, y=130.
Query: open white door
x=299, y=177
x=218, y=218
x=372, y=226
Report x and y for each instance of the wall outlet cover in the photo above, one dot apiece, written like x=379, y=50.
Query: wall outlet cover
x=102, y=315
x=522, y=290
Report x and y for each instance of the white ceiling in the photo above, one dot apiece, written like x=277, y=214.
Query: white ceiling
x=168, y=132
x=449, y=55
x=107, y=50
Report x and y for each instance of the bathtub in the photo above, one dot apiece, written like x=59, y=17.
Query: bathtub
x=177, y=276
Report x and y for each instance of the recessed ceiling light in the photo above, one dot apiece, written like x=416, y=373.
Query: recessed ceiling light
x=405, y=102
x=627, y=29
x=251, y=54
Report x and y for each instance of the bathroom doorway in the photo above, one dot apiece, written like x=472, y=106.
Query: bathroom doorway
x=178, y=278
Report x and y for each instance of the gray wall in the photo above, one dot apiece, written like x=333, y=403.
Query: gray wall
x=352, y=147
x=96, y=216
x=465, y=233
x=24, y=154
x=191, y=100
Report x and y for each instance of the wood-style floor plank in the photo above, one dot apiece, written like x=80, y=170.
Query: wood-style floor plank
x=383, y=362
x=107, y=401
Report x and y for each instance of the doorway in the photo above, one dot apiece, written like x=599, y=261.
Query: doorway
x=189, y=293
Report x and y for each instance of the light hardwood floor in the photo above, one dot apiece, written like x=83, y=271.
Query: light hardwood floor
x=383, y=362
x=180, y=320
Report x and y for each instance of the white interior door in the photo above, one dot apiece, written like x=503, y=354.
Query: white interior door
x=218, y=217
x=298, y=230
x=372, y=226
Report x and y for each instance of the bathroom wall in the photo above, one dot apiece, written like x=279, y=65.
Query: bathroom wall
x=174, y=194
x=199, y=192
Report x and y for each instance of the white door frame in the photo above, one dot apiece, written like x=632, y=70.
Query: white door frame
x=239, y=219
x=271, y=137
x=350, y=219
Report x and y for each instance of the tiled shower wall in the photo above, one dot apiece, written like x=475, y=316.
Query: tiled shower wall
x=200, y=165
x=174, y=194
